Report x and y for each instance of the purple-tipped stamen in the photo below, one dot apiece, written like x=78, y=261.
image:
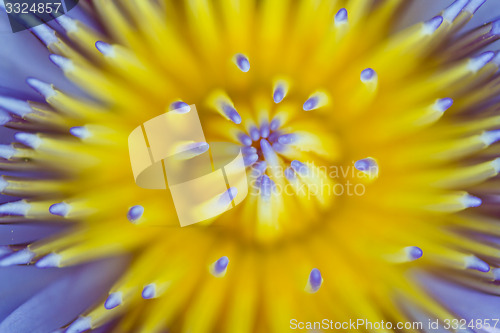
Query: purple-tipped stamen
x=221, y=264
x=7, y=151
x=290, y=174
x=266, y=186
x=46, y=34
x=114, y=299
x=18, y=208
x=43, y=88
x=287, y=139
x=299, y=167
x=471, y=201
x=451, y=13
x=311, y=103
x=278, y=147
x=80, y=132
x=250, y=159
x=443, y=104
x=274, y=136
x=50, y=260
x=254, y=133
x=367, y=75
x=315, y=279
x=264, y=130
x=341, y=16
x=279, y=93
x=473, y=262
x=231, y=113
x=267, y=151
x=476, y=63
x=105, y=48
x=135, y=213
x=149, y=291
x=490, y=137
x=61, y=62
x=474, y=5
x=247, y=150
x=433, y=24
x=21, y=257
x=16, y=106
x=275, y=124
x=60, y=209
x=80, y=325
x=244, y=139
x=365, y=164
x=414, y=252
x=180, y=107
x=67, y=23
x=28, y=139
x=258, y=169
x=242, y=62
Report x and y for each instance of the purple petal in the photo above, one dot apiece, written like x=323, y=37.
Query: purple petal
x=64, y=299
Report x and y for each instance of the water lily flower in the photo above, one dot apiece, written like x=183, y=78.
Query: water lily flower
x=370, y=146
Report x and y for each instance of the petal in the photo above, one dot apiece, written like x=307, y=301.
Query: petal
x=22, y=56
x=19, y=283
x=25, y=233
x=453, y=296
x=64, y=299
